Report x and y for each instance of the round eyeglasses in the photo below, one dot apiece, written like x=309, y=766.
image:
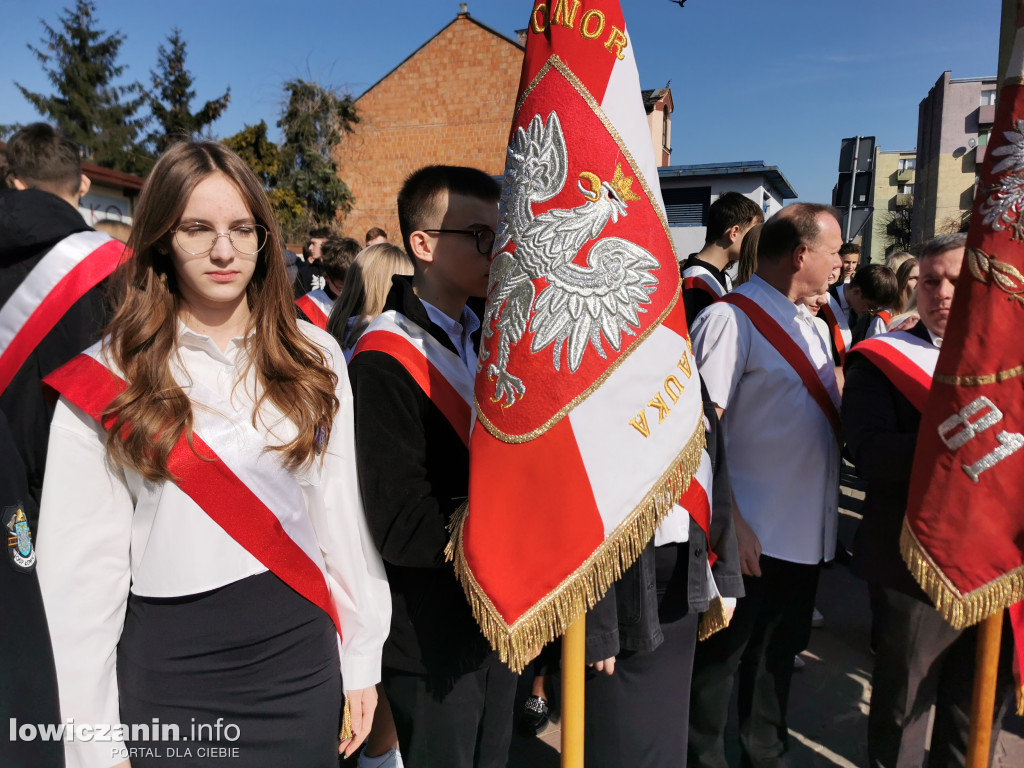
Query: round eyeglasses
x=484, y=237
x=197, y=239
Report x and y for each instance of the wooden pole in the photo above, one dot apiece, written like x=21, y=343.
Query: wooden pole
x=574, y=647
x=984, y=699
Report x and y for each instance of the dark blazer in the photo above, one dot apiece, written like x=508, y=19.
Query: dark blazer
x=630, y=615
x=413, y=475
x=31, y=223
x=880, y=426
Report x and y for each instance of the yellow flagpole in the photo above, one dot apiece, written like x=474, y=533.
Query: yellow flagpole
x=574, y=647
x=984, y=698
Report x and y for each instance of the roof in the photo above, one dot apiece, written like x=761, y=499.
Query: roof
x=770, y=172
x=108, y=177
x=652, y=97
x=458, y=17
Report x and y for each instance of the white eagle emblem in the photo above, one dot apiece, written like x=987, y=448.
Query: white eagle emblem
x=579, y=304
x=1002, y=209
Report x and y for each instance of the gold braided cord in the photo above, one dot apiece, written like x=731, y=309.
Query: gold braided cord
x=346, y=722
x=579, y=591
x=978, y=381
x=713, y=619
x=958, y=609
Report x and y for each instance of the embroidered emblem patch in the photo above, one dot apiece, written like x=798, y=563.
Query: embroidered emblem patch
x=20, y=551
x=321, y=439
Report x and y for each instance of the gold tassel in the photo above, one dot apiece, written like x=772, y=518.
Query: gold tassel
x=958, y=609
x=455, y=524
x=346, y=722
x=550, y=617
x=713, y=619
x=1020, y=700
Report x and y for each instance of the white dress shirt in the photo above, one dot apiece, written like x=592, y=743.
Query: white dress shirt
x=460, y=333
x=106, y=530
x=783, y=456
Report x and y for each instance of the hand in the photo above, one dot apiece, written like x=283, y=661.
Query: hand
x=729, y=611
x=361, y=704
x=605, y=665
x=907, y=324
x=749, y=546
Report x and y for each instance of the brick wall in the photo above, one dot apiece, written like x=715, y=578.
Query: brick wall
x=450, y=102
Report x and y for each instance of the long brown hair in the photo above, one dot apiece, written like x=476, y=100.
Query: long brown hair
x=151, y=415
x=366, y=288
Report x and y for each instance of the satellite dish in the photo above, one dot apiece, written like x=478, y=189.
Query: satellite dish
x=972, y=143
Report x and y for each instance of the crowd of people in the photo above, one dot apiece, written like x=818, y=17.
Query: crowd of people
x=242, y=464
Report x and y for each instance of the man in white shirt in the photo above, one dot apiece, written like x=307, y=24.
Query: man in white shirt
x=771, y=378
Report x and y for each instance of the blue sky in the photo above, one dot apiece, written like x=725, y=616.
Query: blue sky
x=776, y=80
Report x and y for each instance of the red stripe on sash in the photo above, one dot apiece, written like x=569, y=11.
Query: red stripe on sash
x=434, y=385
x=886, y=316
x=699, y=284
x=695, y=501
x=793, y=355
x=84, y=276
x=912, y=382
x=837, y=333
x=211, y=484
x=313, y=312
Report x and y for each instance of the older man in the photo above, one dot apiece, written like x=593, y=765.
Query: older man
x=920, y=661
x=771, y=377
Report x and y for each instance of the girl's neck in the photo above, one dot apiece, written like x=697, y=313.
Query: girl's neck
x=222, y=327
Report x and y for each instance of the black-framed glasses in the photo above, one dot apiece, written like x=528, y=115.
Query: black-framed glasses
x=197, y=239
x=484, y=237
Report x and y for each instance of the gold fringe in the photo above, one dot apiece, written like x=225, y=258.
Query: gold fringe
x=455, y=524
x=1020, y=700
x=346, y=722
x=713, y=619
x=551, y=616
x=959, y=609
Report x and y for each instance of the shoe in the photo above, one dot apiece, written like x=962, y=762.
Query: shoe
x=534, y=715
x=817, y=620
x=798, y=663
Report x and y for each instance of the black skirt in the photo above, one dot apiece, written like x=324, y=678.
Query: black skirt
x=247, y=674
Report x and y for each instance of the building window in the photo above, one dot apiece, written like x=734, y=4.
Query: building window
x=905, y=189
x=687, y=206
x=907, y=163
x=988, y=98
x=983, y=135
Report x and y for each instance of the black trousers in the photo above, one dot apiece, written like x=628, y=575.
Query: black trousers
x=468, y=726
x=772, y=624
x=921, y=661
x=635, y=716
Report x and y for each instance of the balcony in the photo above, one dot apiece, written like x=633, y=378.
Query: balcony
x=905, y=177
x=986, y=114
x=904, y=201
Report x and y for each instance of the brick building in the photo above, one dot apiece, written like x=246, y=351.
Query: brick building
x=451, y=101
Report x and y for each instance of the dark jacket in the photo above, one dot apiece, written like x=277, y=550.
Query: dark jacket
x=696, y=299
x=414, y=474
x=880, y=426
x=31, y=223
x=28, y=680
x=630, y=615
x=309, y=277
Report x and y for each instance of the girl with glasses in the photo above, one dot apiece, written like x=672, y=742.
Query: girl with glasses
x=206, y=567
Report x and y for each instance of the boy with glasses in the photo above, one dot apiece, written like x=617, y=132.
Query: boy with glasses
x=412, y=376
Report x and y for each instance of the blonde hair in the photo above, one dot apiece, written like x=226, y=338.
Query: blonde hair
x=748, y=255
x=366, y=289
x=897, y=259
x=146, y=420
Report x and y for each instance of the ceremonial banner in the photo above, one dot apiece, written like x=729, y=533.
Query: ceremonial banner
x=589, y=416
x=964, y=530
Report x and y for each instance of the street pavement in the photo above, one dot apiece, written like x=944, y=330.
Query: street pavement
x=829, y=699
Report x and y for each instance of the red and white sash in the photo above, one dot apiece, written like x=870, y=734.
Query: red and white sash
x=906, y=360
x=696, y=277
x=242, y=487
x=317, y=306
x=835, y=319
x=783, y=344
x=438, y=371
x=65, y=274
x=885, y=315
x=694, y=503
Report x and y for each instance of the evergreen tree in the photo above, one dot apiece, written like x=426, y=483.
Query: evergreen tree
x=313, y=124
x=81, y=63
x=171, y=99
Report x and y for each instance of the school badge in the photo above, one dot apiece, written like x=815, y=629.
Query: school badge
x=590, y=421
x=20, y=551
